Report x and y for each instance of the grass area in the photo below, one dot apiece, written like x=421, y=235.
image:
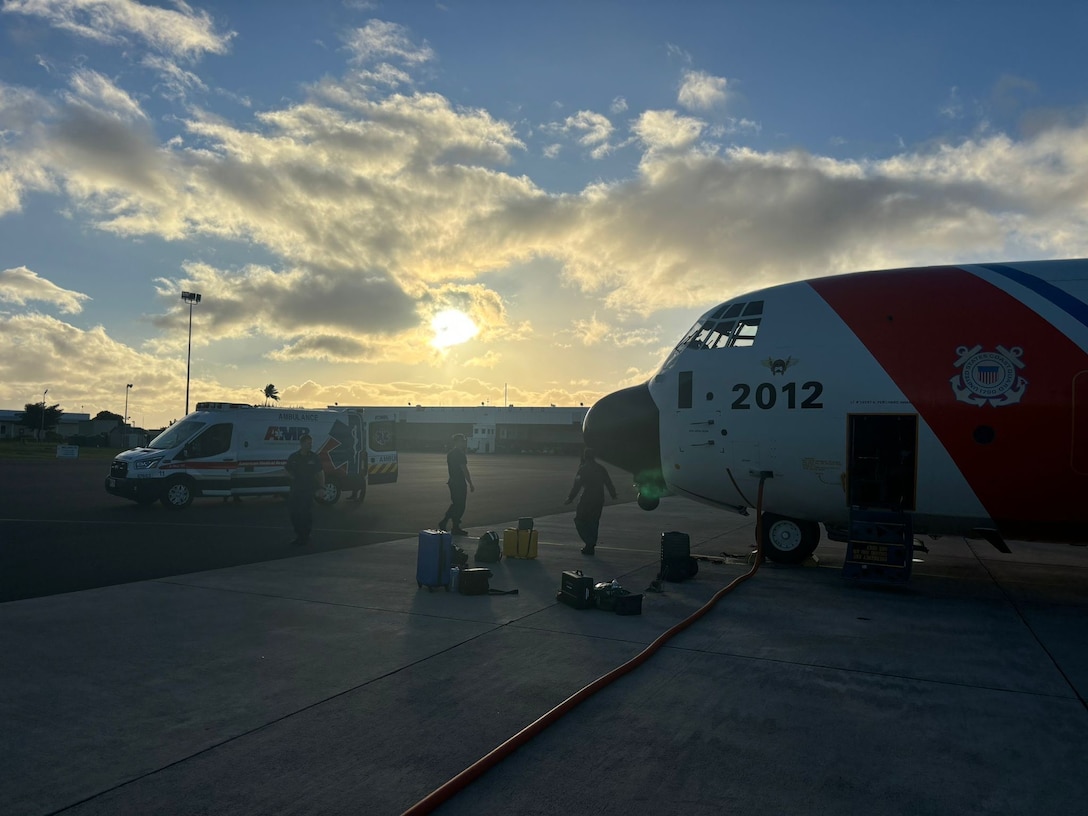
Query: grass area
x=30, y=451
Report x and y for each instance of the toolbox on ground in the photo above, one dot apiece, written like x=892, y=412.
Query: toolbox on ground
x=575, y=589
x=475, y=581
x=629, y=603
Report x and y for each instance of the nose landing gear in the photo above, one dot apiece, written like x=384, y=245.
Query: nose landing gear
x=651, y=487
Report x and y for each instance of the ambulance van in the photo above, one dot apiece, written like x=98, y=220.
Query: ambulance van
x=230, y=449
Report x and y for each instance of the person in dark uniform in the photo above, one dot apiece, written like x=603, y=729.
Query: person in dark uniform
x=591, y=481
x=459, y=480
x=307, y=476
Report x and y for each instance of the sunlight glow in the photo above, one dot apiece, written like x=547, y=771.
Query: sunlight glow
x=452, y=327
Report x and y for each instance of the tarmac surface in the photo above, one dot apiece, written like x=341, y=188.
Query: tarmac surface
x=329, y=683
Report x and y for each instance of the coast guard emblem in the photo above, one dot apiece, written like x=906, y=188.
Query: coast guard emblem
x=989, y=376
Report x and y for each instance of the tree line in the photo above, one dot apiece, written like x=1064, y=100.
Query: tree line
x=41, y=418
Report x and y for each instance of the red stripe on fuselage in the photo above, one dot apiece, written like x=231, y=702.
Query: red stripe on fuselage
x=917, y=324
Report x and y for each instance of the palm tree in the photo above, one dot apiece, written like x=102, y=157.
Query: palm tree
x=270, y=393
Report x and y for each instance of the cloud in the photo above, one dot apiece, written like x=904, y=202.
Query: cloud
x=379, y=40
x=22, y=169
x=487, y=360
x=483, y=306
x=667, y=130
x=594, y=332
x=677, y=53
x=328, y=347
x=21, y=286
x=952, y=107
x=96, y=91
x=86, y=370
x=700, y=227
x=181, y=33
x=702, y=92
x=174, y=81
x=294, y=303
x=373, y=211
x=372, y=204
x=593, y=131
x=76, y=365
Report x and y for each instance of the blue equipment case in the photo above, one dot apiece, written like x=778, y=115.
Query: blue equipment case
x=434, y=559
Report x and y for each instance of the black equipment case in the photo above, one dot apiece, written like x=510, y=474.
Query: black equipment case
x=575, y=589
x=629, y=604
x=475, y=581
x=676, y=561
x=616, y=599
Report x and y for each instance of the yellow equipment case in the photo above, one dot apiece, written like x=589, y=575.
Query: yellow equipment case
x=519, y=543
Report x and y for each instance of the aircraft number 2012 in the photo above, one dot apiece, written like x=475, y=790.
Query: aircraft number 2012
x=765, y=395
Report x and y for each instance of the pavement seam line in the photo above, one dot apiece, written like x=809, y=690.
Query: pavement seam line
x=271, y=723
x=1034, y=635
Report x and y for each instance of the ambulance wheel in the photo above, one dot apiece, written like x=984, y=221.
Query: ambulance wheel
x=178, y=493
x=787, y=540
x=331, y=494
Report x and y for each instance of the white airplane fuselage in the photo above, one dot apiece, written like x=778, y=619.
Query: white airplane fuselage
x=958, y=395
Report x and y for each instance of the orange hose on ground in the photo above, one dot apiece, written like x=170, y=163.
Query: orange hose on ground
x=497, y=755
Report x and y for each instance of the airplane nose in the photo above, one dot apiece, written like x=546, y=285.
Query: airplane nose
x=622, y=428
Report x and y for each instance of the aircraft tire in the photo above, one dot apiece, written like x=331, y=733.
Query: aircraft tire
x=648, y=502
x=787, y=540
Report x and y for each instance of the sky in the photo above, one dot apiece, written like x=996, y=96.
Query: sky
x=491, y=201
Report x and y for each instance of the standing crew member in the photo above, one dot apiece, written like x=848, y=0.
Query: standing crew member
x=592, y=479
x=457, y=465
x=307, y=476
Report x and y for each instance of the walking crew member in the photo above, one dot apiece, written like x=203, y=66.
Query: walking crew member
x=457, y=465
x=307, y=476
x=592, y=479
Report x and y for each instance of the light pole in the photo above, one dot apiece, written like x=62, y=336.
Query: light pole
x=190, y=298
x=41, y=434
x=128, y=388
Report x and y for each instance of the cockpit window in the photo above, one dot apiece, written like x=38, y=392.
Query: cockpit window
x=728, y=326
x=731, y=325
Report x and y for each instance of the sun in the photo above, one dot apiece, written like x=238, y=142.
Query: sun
x=452, y=327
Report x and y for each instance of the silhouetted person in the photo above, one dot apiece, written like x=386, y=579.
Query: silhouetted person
x=592, y=479
x=307, y=476
x=460, y=483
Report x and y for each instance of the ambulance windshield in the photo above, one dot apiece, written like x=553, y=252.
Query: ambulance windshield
x=176, y=434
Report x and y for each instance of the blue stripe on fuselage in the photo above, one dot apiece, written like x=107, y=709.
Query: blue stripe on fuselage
x=1063, y=300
